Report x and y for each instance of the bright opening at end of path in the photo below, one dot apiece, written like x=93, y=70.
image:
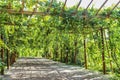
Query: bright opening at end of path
x=95, y=3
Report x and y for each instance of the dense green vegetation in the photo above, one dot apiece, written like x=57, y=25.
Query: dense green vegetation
x=62, y=37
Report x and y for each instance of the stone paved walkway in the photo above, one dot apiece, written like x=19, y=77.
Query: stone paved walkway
x=44, y=69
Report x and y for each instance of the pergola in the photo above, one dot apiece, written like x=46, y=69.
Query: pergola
x=84, y=16
x=35, y=12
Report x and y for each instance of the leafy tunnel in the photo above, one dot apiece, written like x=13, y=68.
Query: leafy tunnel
x=87, y=37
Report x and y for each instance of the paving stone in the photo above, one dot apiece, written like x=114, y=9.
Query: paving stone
x=45, y=69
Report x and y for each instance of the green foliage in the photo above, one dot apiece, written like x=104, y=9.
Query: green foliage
x=60, y=36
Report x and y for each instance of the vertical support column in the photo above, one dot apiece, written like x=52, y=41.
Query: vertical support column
x=75, y=51
x=61, y=55
x=61, y=51
x=109, y=54
x=8, y=59
x=67, y=55
x=85, y=53
x=7, y=54
x=2, y=57
x=84, y=40
x=103, y=51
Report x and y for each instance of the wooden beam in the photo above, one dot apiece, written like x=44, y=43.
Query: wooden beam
x=89, y=4
x=101, y=7
x=63, y=6
x=11, y=11
x=50, y=5
x=76, y=10
x=8, y=59
x=78, y=6
x=85, y=52
x=113, y=8
x=85, y=11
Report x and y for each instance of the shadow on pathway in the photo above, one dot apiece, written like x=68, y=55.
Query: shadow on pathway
x=44, y=69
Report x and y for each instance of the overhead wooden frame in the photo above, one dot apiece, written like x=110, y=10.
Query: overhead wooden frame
x=35, y=12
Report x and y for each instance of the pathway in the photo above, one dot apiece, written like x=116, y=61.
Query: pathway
x=44, y=69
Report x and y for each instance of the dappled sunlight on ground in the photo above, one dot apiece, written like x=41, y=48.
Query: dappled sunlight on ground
x=44, y=69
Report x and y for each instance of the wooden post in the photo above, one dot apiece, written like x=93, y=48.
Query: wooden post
x=67, y=54
x=2, y=57
x=85, y=50
x=61, y=51
x=85, y=53
x=75, y=51
x=8, y=55
x=61, y=55
x=103, y=51
x=8, y=59
x=109, y=55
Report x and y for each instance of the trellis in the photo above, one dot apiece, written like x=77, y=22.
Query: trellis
x=84, y=16
x=35, y=12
